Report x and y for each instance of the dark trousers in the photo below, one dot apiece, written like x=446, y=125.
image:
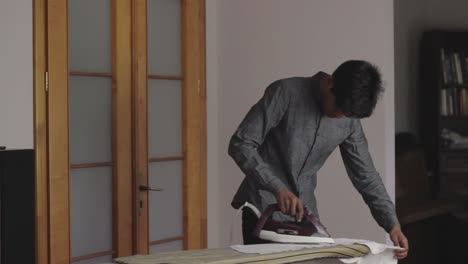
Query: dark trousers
x=249, y=222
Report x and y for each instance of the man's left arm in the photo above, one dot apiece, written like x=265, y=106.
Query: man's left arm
x=366, y=179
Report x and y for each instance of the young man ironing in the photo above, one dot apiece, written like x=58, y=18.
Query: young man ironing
x=287, y=136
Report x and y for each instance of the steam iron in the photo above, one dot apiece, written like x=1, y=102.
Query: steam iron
x=309, y=230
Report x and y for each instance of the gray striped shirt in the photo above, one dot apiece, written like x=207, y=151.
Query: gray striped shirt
x=285, y=139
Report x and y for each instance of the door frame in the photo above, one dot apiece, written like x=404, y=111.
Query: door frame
x=40, y=131
x=194, y=123
x=51, y=122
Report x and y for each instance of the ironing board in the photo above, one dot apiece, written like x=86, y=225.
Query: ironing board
x=315, y=261
x=230, y=256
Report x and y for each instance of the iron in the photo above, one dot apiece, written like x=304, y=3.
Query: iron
x=308, y=230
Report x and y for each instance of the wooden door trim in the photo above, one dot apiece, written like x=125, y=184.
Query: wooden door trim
x=94, y=255
x=194, y=98
x=140, y=125
x=52, y=159
x=58, y=130
x=122, y=127
x=40, y=132
x=165, y=77
x=194, y=122
x=98, y=74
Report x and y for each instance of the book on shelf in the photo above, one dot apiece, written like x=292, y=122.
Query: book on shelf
x=443, y=61
x=454, y=67
x=450, y=101
x=463, y=101
x=458, y=68
x=454, y=102
x=443, y=102
x=466, y=68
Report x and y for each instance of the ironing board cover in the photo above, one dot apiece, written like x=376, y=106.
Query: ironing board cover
x=230, y=256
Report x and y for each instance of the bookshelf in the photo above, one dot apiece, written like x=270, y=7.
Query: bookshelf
x=444, y=108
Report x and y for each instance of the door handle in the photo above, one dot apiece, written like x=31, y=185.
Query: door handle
x=147, y=188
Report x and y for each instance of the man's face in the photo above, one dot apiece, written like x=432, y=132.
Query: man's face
x=328, y=99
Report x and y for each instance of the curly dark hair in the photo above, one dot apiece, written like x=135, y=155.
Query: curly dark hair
x=357, y=86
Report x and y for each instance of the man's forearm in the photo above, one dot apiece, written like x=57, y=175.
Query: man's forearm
x=251, y=163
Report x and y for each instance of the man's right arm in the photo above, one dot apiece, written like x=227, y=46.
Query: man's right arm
x=243, y=147
x=263, y=116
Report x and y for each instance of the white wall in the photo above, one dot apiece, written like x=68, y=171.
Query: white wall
x=214, y=173
x=16, y=74
x=255, y=42
x=411, y=19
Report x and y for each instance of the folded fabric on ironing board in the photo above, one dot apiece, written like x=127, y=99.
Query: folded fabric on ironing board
x=230, y=256
x=378, y=253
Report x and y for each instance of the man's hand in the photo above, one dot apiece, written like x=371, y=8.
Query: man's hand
x=290, y=204
x=399, y=240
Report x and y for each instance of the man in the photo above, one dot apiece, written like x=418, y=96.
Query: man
x=287, y=136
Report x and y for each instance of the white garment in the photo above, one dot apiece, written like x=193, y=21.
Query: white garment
x=380, y=253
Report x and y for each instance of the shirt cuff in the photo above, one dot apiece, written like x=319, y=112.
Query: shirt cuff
x=393, y=221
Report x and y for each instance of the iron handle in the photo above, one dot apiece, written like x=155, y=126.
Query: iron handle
x=147, y=188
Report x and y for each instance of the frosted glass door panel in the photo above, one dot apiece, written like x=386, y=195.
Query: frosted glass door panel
x=90, y=127
x=167, y=247
x=165, y=123
x=90, y=119
x=166, y=207
x=99, y=260
x=164, y=118
x=90, y=35
x=91, y=210
x=164, y=37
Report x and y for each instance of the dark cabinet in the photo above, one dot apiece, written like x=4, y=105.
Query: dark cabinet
x=17, y=206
